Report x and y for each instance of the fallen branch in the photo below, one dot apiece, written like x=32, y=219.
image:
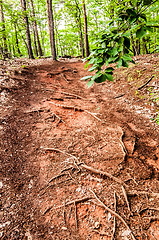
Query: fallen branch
x=113, y=213
x=145, y=83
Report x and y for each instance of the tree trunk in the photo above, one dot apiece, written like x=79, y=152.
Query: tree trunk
x=78, y=20
x=85, y=29
x=5, y=48
x=36, y=30
x=16, y=39
x=28, y=37
x=51, y=28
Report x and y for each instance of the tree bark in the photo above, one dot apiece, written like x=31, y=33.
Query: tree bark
x=85, y=29
x=28, y=37
x=78, y=17
x=51, y=28
x=36, y=30
x=16, y=39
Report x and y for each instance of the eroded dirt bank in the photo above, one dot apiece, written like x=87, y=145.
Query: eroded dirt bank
x=78, y=163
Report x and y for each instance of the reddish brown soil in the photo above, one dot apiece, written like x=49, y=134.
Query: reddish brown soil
x=53, y=128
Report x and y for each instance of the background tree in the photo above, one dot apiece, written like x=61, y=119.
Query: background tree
x=51, y=28
x=28, y=36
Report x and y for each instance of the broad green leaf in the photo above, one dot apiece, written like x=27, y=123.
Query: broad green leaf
x=140, y=32
x=120, y=62
x=90, y=83
x=93, y=68
x=109, y=69
x=93, y=60
x=109, y=77
x=101, y=78
x=86, y=65
x=85, y=78
x=126, y=58
x=125, y=63
x=111, y=59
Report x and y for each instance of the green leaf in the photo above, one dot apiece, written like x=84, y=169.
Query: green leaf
x=85, y=78
x=143, y=16
x=109, y=69
x=147, y=2
x=125, y=63
x=113, y=52
x=94, y=67
x=126, y=58
x=120, y=63
x=109, y=77
x=101, y=78
x=112, y=59
x=86, y=65
x=131, y=11
x=127, y=42
x=90, y=83
x=92, y=61
x=140, y=32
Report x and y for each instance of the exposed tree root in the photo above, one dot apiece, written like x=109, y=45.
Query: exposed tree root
x=113, y=213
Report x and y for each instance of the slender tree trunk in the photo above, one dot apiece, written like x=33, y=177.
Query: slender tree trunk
x=16, y=39
x=5, y=48
x=28, y=37
x=78, y=20
x=85, y=29
x=51, y=28
x=36, y=30
x=35, y=43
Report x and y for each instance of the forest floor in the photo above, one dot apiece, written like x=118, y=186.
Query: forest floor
x=77, y=162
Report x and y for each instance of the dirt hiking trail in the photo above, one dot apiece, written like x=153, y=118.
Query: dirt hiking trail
x=78, y=163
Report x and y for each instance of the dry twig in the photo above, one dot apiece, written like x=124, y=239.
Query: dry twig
x=76, y=109
x=76, y=220
x=73, y=95
x=115, y=209
x=113, y=213
x=126, y=198
x=145, y=83
x=134, y=192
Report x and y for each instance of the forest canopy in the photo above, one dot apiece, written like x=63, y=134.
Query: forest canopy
x=108, y=30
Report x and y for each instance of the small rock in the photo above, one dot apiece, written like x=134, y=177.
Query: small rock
x=64, y=228
x=97, y=225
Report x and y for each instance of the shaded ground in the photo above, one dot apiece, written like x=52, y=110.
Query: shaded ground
x=79, y=163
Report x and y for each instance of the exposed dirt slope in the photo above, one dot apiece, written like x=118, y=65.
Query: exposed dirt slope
x=79, y=163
